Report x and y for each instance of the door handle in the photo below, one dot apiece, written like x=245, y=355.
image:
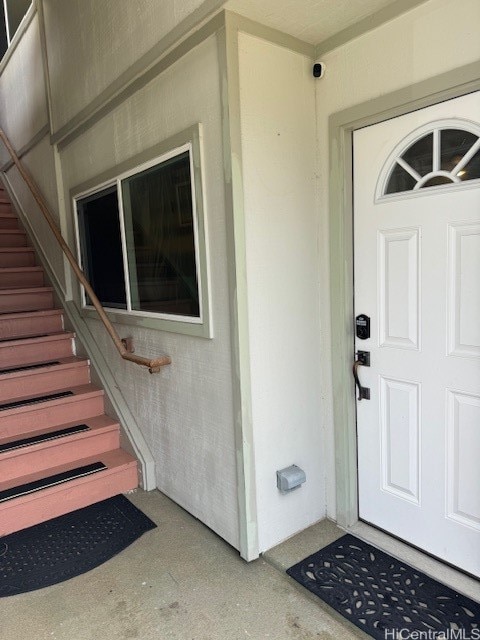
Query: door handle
x=363, y=360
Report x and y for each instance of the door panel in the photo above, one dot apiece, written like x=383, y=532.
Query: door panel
x=398, y=271
x=417, y=276
x=464, y=298
x=399, y=434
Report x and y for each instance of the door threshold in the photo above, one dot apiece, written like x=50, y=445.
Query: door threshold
x=445, y=573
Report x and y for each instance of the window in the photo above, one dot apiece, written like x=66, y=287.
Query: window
x=100, y=239
x=446, y=155
x=12, y=13
x=160, y=243
x=138, y=239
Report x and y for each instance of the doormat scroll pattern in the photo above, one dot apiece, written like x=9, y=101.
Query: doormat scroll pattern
x=69, y=545
x=384, y=597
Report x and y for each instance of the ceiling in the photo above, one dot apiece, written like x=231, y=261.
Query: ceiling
x=310, y=20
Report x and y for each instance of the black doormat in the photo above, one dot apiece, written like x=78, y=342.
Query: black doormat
x=68, y=546
x=383, y=596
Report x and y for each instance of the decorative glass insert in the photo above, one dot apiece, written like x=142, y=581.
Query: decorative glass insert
x=440, y=157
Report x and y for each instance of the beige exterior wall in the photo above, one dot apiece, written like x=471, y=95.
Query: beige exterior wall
x=24, y=114
x=94, y=42
x=23, y=105
x=185, y=412
x=433, y=38
x=277, y=106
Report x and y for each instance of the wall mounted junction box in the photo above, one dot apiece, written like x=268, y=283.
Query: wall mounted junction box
x=290, y=478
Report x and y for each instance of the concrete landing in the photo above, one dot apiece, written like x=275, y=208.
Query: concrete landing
x=178, y=582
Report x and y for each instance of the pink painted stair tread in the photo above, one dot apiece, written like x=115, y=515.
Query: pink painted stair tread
x=44, y=431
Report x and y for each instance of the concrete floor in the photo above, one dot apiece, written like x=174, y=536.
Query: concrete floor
x=180, y=581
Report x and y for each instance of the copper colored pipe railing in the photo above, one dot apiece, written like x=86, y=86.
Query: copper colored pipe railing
x=153, y=364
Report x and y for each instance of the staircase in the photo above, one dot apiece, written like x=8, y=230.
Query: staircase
x=58, y=450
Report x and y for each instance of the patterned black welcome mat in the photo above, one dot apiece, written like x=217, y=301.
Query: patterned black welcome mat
x=383, y=596
x=68, y=546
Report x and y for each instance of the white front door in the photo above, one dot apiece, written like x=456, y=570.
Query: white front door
x=417, y=277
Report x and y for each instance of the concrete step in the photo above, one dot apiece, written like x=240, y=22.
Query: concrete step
x=27, y=351
x=16, y=257
x=30, y=324
x=38, y=451
x=57, y=374
x=119, y=476
x=21, y=277
x=29, y=299
x=85, y=401
x=8, y=220
x=13, y=238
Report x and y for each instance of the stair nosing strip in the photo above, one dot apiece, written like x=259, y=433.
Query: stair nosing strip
x=28, y=402
x=24, y=443
x=40, y=368
x=29, y=367
x=53, y=483
x=46, y=337
x=75, y=397
x=27, y=314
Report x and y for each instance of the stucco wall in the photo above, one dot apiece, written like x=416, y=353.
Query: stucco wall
x=102, y=39
x=23, y=105
x=278, y=145
x=185, y=412
x=24, y=113
x=434, y=38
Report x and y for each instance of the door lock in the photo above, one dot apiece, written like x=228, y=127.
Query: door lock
x=362, y=327
x=363, y=360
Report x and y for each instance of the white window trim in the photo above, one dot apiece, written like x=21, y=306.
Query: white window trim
x=160, y=321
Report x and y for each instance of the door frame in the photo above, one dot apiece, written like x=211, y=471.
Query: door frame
x=446, y=86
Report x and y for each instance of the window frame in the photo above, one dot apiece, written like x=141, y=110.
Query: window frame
x=188, y=140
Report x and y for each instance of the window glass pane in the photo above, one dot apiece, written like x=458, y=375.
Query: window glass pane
x=101, y=247
x=454, y=145
x=159, y=227
x=3, y=32
x=435, y=181
x=472, y=169
x=16, y=10
x=400, y=180
x=420, y=155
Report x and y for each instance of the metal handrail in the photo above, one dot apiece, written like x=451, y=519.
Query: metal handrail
x=153, y=364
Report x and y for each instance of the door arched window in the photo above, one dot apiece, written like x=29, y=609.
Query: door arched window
x=444, y=153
